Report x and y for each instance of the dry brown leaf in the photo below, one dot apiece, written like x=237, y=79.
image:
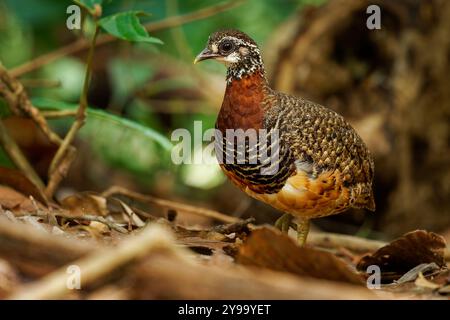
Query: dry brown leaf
x=32, y=141
x=405, y=253
x=85, y=203
x=131, y=215
x=16, y=180
x=100, y=227
x=271, y=249
x=15, y=201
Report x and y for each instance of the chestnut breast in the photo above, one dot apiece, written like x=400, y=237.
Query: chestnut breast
x=242, y=104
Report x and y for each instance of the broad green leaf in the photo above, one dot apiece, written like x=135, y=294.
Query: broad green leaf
x=49, y=104
x=89, y=4
x=118, y=141
x=126, y=26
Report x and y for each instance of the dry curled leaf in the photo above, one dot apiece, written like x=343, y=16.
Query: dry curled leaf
x=271, y=249
x=35, y=145
x=405, y=253
x=98, y=226
x=131, y=215
x=85, y=203
x=15, y=201
x=16, y=180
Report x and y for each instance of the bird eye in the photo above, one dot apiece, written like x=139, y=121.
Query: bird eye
x=226, y=46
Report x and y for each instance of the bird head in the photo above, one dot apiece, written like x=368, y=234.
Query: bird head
x=235, y=49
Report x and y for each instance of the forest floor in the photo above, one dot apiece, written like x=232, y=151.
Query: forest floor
x=113, y=246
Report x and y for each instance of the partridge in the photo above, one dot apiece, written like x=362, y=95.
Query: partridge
x=322, y=166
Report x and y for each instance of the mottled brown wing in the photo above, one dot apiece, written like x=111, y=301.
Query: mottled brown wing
x=322, y=138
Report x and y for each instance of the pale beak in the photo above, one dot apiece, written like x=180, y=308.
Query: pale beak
x=205, y=54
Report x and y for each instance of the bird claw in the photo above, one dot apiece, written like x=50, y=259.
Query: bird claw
x=284, y=222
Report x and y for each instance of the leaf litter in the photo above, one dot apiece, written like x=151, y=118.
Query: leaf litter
x=411, y=266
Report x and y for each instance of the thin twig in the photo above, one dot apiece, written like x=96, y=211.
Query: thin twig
x=82, y=44
x=16, y=97
x=81, y=113
x=168, y=204
x=39, y=213
x=58, y=114
x=335, y=241
x=60, y=172
x=40, y=83
x=91, y=218
x=86, y=217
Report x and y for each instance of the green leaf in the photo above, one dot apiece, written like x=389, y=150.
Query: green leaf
x=118, y=142
x=110, y=119
x=89, y=4
x=126, y=26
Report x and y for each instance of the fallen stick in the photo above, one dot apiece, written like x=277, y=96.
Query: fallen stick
x=334, y=240
x=35, y=252
x=98, y=264
x=162, y=276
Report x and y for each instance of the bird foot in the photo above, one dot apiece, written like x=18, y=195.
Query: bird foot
x=302, y=231
x=284, y=222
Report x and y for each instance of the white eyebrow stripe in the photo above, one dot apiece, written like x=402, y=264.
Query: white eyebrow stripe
x=239, y=41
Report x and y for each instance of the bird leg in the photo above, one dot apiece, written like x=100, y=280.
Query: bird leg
x=284, y=222
x=302, y=231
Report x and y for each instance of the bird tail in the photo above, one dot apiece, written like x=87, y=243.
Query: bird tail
x=370, y=204
x=362, y=196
